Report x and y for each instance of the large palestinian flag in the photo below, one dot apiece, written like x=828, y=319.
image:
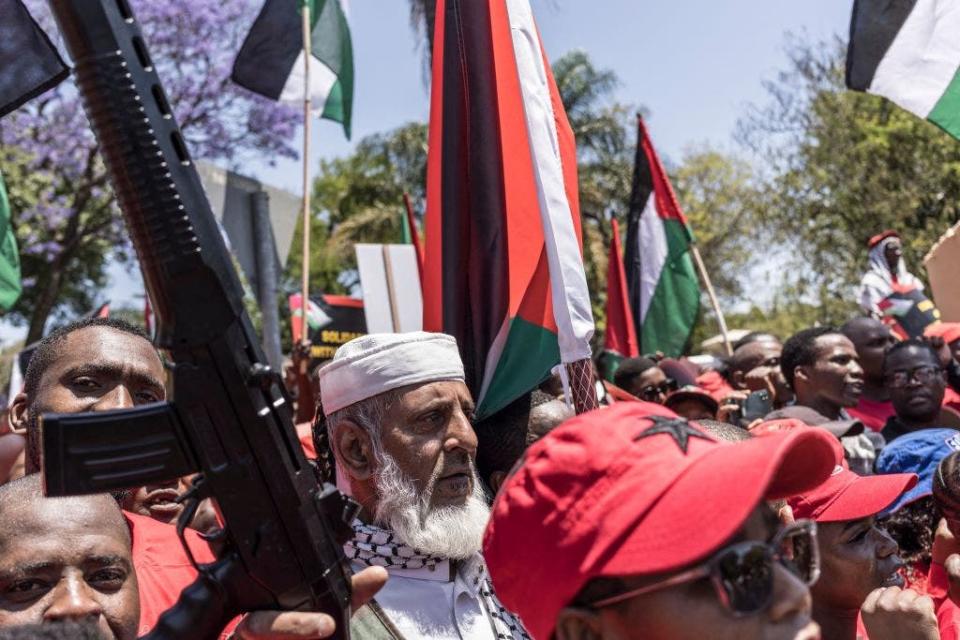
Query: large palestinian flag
x=29, y=63
x=270, y=61
x=504, y=271
x=661, y=280
x=620, y=338
x=10, y=286
x=909, y=52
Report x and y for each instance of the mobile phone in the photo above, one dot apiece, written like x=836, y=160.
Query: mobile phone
x=757, y=405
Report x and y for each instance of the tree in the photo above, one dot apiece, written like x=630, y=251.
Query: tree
x=64, y=212
x=841, y=166
x=360, y=199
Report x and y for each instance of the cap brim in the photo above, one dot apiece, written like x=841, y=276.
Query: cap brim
x=712, y=499
x=843, y=428
x=680, y=396
x=918, y=491
x=866, y=497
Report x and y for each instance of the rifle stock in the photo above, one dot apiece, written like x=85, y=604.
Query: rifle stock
x=230, y=418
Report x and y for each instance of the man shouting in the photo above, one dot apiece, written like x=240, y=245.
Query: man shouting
x=398, y=419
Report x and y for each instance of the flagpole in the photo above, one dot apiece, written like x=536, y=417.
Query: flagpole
x=305, y=276
x=695, y=252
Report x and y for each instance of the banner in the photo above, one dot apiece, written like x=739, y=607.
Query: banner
x=331, y=321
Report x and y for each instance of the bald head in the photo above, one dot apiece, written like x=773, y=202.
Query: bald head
x=872, y=339
x=72, y=557
x=545, y=417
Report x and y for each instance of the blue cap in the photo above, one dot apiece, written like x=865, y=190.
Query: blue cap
x=919, y=452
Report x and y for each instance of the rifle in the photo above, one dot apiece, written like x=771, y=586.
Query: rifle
x=230, y=418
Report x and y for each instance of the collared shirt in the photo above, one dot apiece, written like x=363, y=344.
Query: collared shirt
x=437, y=603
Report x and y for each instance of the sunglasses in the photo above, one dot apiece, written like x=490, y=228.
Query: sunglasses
x=743, y=574
x=651, y=392
x=923, y=375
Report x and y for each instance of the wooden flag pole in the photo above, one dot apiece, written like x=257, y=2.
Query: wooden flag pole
x=305, y=265
x=695, y=252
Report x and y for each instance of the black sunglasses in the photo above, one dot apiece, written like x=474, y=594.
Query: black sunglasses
x=742, y=574
x=650, y=393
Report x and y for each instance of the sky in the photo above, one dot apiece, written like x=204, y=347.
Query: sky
x=695, y=65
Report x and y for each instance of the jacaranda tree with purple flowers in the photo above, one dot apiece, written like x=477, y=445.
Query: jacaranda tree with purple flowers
x=67, y=223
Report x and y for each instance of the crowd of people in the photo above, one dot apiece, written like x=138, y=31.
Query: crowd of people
x=788, y=491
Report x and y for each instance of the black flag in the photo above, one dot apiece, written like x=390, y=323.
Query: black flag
x=29, y=63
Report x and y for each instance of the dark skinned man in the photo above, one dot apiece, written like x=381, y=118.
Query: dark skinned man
x=398, y=417
x=755, y=366
x=916, y=381
x=872, y=339
x=822, y=368
x=643, y=379
x=103, y=364
x=657, y=531
x=859, y=562
x=65, y=560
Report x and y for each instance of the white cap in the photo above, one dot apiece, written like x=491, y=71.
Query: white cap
x=373, y=364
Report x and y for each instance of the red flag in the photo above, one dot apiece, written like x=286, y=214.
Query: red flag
x=621, y=336
x=504, y=270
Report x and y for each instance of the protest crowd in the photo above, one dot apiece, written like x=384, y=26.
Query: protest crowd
x=494, y=472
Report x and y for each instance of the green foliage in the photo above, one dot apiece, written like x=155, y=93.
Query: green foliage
x=842, y=166
x=360, y=199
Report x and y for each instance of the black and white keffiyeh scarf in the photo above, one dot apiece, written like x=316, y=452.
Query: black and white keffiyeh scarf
x=375, y=547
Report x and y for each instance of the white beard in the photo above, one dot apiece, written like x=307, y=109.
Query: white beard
x=452, y=532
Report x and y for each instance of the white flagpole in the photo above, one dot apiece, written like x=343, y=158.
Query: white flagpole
x=305, y=278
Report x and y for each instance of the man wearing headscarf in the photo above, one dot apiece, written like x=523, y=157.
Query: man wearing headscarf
x=890, y=293
x=398, y=421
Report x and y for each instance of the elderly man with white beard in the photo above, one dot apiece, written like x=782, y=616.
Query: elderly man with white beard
x=398, y=423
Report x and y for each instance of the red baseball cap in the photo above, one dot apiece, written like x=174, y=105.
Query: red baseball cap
x=847, y=496
x=880, y=237
x=632, y=490
x=949, y=331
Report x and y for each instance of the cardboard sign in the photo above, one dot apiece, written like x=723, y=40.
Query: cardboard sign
x=943, y=265
x=390, y=277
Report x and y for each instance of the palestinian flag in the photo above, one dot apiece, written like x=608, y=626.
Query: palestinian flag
x=271, y=59
x=908, y=51
x=10, y=287
x=661, y=280
x=29, y=63
x=504, y=271
x=620, y=339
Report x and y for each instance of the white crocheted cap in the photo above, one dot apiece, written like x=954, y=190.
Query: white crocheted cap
x=373, y=364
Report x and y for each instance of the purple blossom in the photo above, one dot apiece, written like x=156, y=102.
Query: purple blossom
x=193, y=44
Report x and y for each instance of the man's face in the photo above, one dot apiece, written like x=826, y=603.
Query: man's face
x=836, y=375
x=97, y=369
x=916, y=383
x=692, y=611
x=68, y=561
x=757, y=362
x=892, y=253
x=651, y=385
x=856, y=557
x=872, y=339
x=428, y=432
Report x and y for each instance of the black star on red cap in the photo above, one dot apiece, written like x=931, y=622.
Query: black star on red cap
x=677, y=428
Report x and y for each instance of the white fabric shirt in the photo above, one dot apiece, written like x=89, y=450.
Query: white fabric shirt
x=433, y=605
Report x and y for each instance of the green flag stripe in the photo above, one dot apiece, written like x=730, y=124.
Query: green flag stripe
x=10, y=286
x=946, y=113
x=331, y=44
x=676, y=299
x=528, y=355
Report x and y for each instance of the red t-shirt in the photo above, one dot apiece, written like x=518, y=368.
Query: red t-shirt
x=163, y=569
x=871, y=413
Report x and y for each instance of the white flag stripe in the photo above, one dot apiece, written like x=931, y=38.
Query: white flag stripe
x=653, y=249
x=923, y=58
x=322, y=80
x=568, y=282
